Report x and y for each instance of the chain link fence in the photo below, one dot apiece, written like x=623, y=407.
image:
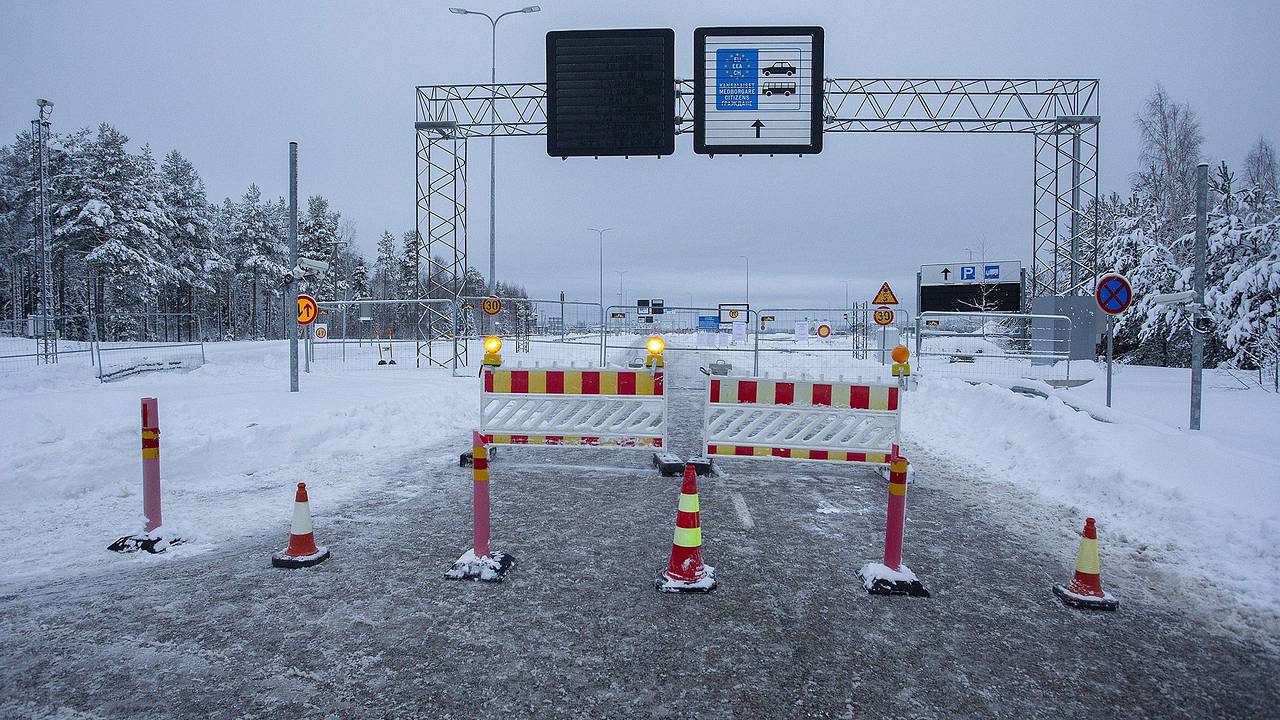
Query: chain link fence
x=387, y=334
x=110, y=347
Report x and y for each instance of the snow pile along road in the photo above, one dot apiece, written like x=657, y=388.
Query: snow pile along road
x=1189, y=503
x=233, y=440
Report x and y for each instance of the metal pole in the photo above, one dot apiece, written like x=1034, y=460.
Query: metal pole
x=600, y=232
x=1111, y=333
x=291, y=312
x=1075, y=209
x=493, y=161
x=1197, y=337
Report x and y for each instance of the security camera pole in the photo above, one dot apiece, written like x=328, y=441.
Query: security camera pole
x=291, y=297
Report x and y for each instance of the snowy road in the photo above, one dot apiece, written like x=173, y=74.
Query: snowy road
x=578, y=630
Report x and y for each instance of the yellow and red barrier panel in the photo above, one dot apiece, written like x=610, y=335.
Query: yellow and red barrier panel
x=574, y=382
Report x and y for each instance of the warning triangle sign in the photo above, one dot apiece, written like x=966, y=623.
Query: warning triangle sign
x=885, y=296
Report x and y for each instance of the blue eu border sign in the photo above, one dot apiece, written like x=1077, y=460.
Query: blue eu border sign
x=758, y=90
x=737, y=78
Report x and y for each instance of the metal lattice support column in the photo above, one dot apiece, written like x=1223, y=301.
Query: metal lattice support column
x=1065, y=213
x=45, y=330
x=442, y=203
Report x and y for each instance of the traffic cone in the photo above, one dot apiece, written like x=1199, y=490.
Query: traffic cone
x=302, y=550
x=686, y=572
x=1085, y=590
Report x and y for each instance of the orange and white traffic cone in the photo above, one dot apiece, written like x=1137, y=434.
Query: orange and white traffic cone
x=686, y=572
x=1085, y=590
x=302, y=550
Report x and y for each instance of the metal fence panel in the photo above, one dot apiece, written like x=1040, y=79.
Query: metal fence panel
x=626, y=331
x=828, y=342
x=993, y=345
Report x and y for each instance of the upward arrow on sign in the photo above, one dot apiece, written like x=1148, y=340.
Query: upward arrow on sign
x=946, y=273
x=885, y=296
x=757, y=125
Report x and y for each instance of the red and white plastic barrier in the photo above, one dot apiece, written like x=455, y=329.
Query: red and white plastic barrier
x=555, y=407
x=858, y=422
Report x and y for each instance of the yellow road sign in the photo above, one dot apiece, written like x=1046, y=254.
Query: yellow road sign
x=491, y=306
x=307, y=310
x=885, y=296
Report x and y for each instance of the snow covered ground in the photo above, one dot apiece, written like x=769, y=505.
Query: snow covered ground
x=1202, y=507
x=234, y=442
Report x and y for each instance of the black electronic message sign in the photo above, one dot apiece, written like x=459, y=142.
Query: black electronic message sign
x=611, y=92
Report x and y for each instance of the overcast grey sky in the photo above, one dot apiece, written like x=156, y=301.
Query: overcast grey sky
x=231, y=83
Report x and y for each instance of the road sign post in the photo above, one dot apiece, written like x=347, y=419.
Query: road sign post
x=291, y=327
x=1114, y=296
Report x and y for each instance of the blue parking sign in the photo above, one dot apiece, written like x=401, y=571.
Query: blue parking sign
x=991, y=272
x=968, y=272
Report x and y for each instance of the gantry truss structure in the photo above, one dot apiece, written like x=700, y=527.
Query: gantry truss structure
x=1061, y=116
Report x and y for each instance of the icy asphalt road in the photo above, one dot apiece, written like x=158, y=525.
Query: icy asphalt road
x=578, y=630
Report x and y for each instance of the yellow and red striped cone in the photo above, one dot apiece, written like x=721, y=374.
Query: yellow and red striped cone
x=686, y=571
x=1085, y=589
x=302, y=550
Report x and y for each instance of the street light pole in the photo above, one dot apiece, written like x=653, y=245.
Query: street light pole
x=493, y=120
x=622, y=299
x=601, y=232
x=748, y=298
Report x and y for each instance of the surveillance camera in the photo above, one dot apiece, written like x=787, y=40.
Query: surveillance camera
x=1172, y=298
x=312, y=266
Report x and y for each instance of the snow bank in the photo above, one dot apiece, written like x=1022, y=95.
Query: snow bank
x=233, y=440
x=1205, y=506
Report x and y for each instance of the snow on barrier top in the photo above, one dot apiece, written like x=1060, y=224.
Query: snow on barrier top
x=800, y=420
x=624, y=408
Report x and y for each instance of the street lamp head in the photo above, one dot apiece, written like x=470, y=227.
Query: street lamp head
x=531, y=9
x=459, y=11
x=44, y=103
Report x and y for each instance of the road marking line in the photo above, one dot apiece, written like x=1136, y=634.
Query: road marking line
x=740, y=504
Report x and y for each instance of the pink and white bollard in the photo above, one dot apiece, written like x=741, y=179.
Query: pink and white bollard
x=892, y=577
x=479, y=563
x=152, y=539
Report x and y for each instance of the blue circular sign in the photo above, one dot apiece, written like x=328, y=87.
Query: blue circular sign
x=1114, y=294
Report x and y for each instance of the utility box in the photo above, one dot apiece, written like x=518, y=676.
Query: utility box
x=1080, y=339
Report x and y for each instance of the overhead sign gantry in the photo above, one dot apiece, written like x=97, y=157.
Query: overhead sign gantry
x=1059, y=114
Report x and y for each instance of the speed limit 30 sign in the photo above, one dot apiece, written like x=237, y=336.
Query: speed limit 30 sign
x=883, y=315
x=491, y=306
